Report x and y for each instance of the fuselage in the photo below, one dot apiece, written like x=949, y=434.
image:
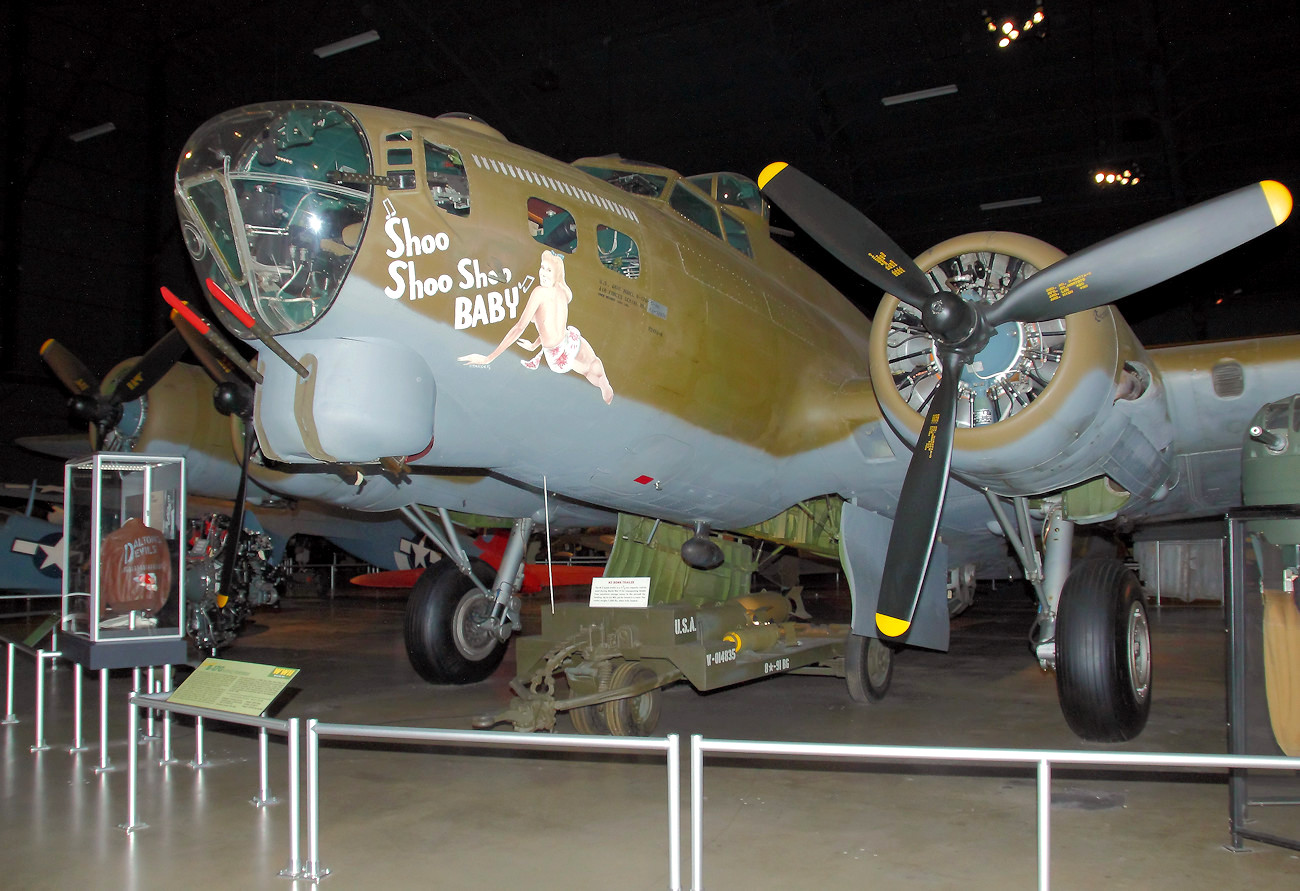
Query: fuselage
x=609, y=333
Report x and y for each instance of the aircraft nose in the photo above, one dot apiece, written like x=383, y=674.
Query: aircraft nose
x=273, y=200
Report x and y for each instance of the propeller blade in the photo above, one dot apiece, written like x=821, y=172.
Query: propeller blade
x=846, y=233
x=1146, y=255
x=217, y=366
x=150, y=369
x=916, y=522
x=70, y=370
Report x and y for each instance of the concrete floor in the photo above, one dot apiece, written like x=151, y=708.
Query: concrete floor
x=402, y=817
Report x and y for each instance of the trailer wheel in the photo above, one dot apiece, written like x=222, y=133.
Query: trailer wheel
x=589, y=719
x=634, y=715
x=445, y=638
x=1103, y=652
x=869, y=668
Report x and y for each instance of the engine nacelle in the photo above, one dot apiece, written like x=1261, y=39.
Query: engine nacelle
x=1045, y=406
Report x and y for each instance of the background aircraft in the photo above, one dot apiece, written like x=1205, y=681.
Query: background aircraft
x=405, y=280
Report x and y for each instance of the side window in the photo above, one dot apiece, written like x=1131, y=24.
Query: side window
x=696, y=209
x=552, y=225
x=618, y=252
x=446, y=175
x=736, y=235
x=400, y=157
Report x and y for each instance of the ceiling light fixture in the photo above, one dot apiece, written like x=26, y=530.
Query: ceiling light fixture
x=918, y=95
x=342, y=46
x=92, y=132
x=1012, y=202
x=1127, y=176
x=1005, y=29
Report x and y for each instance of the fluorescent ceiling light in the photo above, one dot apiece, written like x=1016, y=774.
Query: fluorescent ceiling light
x=342, y=46
x=919, y=95
x=91, y=133
x=1014, y=202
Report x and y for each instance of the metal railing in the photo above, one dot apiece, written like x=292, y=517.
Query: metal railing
x=10, y=717
x=288, y=727
x=1041, y=759
x=314, y=871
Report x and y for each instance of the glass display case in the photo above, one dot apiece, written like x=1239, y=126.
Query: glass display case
x=123, y=579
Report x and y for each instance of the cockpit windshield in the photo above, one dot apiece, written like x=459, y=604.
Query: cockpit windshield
x=734, y=190
x=273, y=200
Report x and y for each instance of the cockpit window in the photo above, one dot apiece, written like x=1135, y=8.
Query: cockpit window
x=273, y=200
x=651, y=185
x=737, y=237
x=447, y=181
x=552, y=225
x=696, y=209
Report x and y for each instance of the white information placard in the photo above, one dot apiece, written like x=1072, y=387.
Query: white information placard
x=633, y=591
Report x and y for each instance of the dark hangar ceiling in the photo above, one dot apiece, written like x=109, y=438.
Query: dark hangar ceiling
x=1200, y=103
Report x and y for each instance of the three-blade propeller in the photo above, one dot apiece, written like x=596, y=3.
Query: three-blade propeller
x=103, y=408
x=1097, y=275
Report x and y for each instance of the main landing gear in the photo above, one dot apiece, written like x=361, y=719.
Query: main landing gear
x=1103, y=652
x=457, y=628
x=448, y=638
x=1092, y=628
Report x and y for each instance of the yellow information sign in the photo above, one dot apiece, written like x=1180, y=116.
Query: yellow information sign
x=245, y=688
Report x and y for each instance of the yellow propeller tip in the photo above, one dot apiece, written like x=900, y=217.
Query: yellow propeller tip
x=1279, y=200
x=45, y=346
x=769, y=172
x=891, y=627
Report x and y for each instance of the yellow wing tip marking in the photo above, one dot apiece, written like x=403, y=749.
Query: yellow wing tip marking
x=770, y=171
x=1279, y=200
x=890, y=626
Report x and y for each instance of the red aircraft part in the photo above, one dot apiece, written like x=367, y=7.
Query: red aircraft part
x=537, y=576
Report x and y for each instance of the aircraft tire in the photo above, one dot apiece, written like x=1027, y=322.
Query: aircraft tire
x=1103, y=652
x=633, y=715
x=443, y=640
x=869, y=668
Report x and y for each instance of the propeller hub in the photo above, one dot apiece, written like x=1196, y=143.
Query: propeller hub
x=955, y=323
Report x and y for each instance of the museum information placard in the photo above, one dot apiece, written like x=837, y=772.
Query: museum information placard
x=630, y=592
x=245, y=688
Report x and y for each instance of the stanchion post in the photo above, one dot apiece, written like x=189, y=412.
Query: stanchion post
x=313, y=871
x=697, y=813
x=132, y=760
x=1044, y=824
x=263, y=797
x=77, y=702
x=198, y=761
x=104, y=764
x=167, y=721
x=294, y=870
x=674, y=813
x=40, y=745
x=10, y=717
x=149, y=713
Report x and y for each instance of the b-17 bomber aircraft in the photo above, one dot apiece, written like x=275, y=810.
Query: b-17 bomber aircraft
x=453, y=326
